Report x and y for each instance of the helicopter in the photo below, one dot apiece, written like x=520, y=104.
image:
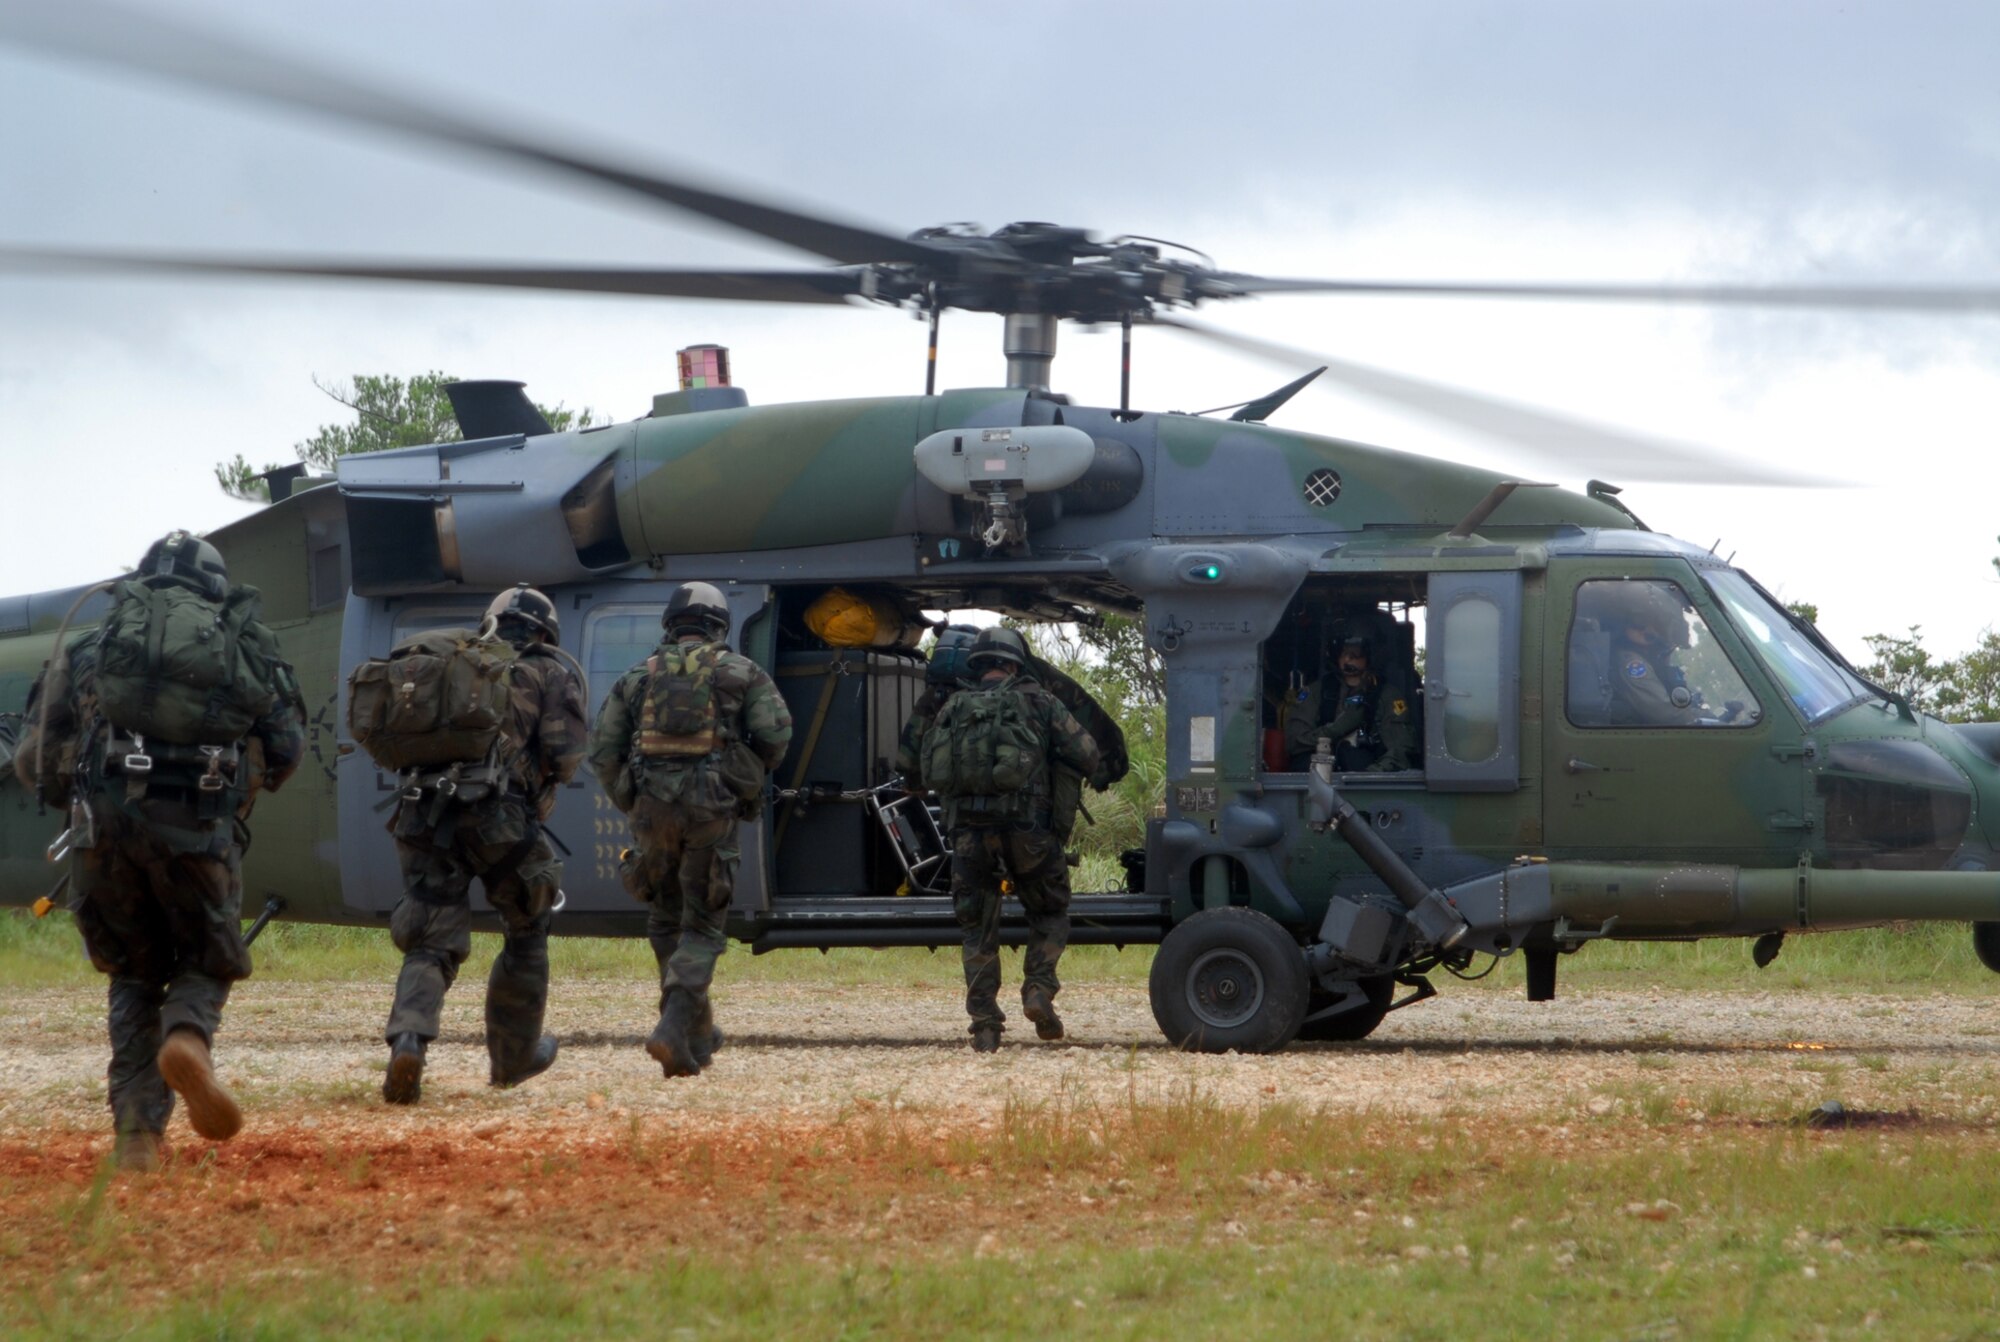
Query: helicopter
x=1289, y=897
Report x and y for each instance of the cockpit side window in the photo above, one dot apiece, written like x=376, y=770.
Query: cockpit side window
x=1641, y=655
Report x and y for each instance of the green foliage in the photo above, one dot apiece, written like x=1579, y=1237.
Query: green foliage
x=1122, y=673
x=390, y=412
x=1903, y=665
x=1123, y=665
x=1970, y=691
x=1805, y=610
x=1958, y=689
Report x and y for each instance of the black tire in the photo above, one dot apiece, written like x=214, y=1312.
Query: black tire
x=1350, y=1025
x=1986, y=944
x=1229, y=979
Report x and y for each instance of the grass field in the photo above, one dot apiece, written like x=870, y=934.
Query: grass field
x=1664, y=1207
x=1176, y=1220
x=1917, y=958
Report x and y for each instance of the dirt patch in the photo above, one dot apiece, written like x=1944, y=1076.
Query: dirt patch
x=443, y=1204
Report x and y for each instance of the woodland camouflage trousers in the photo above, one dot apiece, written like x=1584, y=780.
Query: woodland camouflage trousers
x=981, y=855
x=687, y=866
x=432, y=926
x=162, y=922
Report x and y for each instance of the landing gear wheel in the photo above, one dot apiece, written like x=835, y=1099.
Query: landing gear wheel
x=1229, y=979
x=1986, y=944
x=1355, y=1023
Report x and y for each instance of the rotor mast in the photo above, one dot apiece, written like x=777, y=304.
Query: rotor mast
x=1029, y=339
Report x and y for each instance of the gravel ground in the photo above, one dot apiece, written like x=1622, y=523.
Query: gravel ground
x=311, y=1052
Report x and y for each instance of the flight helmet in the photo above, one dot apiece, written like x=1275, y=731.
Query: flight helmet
x=1654, y=605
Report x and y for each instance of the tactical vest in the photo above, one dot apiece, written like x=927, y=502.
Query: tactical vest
x=678, y=719
x=180, y=669
x=987, y=744
x=438, y=699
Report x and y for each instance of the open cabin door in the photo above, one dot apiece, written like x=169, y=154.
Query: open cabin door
x=1472, y=683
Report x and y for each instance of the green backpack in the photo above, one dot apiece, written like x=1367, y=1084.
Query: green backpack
x=438, y=698
x=678, y=719
x=176, y=667
x=985, y=743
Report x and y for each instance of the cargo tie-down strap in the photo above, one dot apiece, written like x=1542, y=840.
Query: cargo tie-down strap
x=834, y=671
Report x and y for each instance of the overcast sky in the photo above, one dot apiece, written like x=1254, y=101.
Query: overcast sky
x=1738, y=142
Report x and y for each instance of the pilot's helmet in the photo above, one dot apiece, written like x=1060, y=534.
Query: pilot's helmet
x=1655, y=605
x=182, y=554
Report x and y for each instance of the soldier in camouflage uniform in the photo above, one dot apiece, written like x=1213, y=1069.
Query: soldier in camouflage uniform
x=683, y=745
x=443, y=844
x=943, y=676
x=157, y=888
x=1010, y=835
x=947, y=673
x=1368, y=719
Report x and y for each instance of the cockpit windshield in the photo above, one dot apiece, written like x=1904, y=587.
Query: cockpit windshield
x=1815, y=684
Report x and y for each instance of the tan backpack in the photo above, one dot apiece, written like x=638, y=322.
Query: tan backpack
x=439, y=698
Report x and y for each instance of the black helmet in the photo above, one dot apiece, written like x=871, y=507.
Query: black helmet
x=947, y=666
x=182, y=554
x=997, y=645
x=522, y=602
x=697, y=605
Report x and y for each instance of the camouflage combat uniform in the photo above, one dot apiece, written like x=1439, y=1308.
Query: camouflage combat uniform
x=684, y=814
x=443, y=845
x=1066, y=785
x=1012, y=836
x=910, y=744
x=158, y=897
x=1373, y=728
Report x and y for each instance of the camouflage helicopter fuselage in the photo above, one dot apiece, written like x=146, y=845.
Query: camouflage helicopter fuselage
x=1816, y=803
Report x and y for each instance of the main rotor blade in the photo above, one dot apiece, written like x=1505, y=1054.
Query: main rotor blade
x=151, y=45
x=1881, y=298
x=1558, y=440
x=754, y=286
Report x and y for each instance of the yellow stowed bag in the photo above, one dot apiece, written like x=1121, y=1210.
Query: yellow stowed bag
x=852, y=620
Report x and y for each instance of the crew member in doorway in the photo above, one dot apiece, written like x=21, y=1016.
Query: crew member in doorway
x=1369, y=720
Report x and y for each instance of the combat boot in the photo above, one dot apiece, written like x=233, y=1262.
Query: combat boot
x=985, y=1039
x=404, y=1082
x=668, y=1044
x=705, y=1038
x=1037, y=1007
x=185, y=1065
x=539, y=1061
x=137, y=1152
